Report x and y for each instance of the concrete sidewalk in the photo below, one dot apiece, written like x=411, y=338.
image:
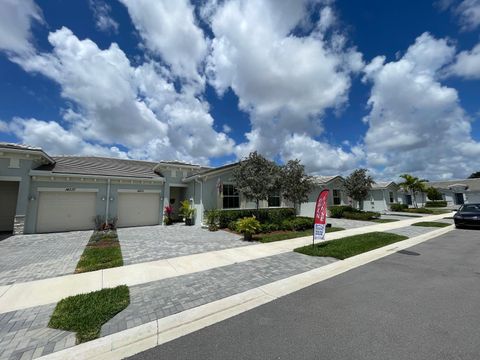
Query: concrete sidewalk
x=19, y=296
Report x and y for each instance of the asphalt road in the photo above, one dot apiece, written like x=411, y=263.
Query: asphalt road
x=422, y=303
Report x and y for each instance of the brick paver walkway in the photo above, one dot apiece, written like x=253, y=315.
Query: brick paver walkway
x=148, y=243
x=166, y=297
x=39, y=256
x=24, y=334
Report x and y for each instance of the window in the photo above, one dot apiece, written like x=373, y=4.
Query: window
x=231, y=198
x=392, y=199
x=274, y=199
x=337, y=200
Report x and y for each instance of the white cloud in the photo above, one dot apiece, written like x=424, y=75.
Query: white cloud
x=55, y=140
x=416, y=124
x=115, y=103
x=469, y=13
x=169, y=29
x=16, y=19
x=284, y=81
x=101, y=12
x=467, y=64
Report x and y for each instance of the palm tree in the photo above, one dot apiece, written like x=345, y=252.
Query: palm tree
x=412, y=185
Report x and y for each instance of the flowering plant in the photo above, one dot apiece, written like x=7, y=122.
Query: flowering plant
x=168, y=211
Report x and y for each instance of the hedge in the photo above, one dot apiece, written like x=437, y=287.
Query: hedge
x=361, y=215
x=275, y=216
x=338, y=211
x=398, y=207
x=442, y=203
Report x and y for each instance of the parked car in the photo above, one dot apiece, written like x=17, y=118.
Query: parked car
x=467, y=215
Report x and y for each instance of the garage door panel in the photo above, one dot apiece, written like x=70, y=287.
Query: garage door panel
x=63, y=211
x=138, y=209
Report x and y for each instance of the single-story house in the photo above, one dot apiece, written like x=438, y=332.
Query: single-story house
x=381, y=197
x=336, y=196
x=454, y=192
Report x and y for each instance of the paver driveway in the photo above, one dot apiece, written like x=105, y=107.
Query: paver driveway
x=39, y=256
x=148, y=243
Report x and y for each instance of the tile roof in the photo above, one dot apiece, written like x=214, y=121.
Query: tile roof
x=324, y=179
x=92, y=165
x=27, y=148
x=473, y=184
x=383, y=184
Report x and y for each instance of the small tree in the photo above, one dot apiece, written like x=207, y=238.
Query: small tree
x=358, y=184
x=475, y=175
x=433, y=194
x=413, y=185
x=295, y=184
x=256, y=177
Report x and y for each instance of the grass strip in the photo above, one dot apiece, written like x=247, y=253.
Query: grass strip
x=431, y=224
x=86, y=313
x=351, y=245
x=266, y=238
x=102, y=252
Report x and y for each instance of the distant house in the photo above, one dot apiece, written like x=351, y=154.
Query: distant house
x=336, y=196
x=454, y=192
x=381, y=197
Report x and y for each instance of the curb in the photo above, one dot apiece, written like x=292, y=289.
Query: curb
x=160, y=331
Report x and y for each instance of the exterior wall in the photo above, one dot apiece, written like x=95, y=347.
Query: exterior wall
x=379, y=199
x=448, y=196
x=308, y=208
x=19, y=172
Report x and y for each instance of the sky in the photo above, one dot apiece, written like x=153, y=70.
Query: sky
x=391, y=86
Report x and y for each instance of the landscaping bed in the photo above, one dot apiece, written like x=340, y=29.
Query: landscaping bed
x=85, y=314
x=348, y=212
x=431, y=224
x=350, y=246
x=285, y=235
x=382, y=221
x=102, y=252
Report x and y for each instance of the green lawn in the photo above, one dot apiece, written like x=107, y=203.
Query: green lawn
x=431, y=211
x=431, y=224
x=352, y=245
x=381, y=221
x=86, y=313
x=102, y=251
x=266, y=238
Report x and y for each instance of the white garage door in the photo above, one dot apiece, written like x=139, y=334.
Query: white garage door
x=138, y=209
x=65, y=211
x=473, y=198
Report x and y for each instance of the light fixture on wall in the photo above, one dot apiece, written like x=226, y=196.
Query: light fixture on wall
x=104, y=198
x=112, y=198
x=31, y=198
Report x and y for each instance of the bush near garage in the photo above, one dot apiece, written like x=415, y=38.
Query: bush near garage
x=361, y=215
x=264, y=216
x=398, y=207
x=338, y=211
x=442, y=203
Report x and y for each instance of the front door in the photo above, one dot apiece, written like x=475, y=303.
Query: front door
x=408, y=199
x=459, y=199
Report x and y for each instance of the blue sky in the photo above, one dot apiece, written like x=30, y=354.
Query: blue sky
x=388, y=85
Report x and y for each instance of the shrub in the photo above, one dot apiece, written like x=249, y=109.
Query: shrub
x=213, y=218
x=232, y=225
x=337, y=211
x=442, y=203
x=363, y=215
x=275, y=216
x=398, y=207
x=267, y=228
x=248, y=226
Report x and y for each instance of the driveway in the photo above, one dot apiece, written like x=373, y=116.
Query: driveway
x=420, y=303
x=39, y=256
x=148, y=243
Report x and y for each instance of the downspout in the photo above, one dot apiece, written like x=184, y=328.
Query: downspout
x=107, y=207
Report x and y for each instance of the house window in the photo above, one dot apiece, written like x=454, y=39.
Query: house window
x=337, y=200
x=274, y=199
x=392, y=199
x=231, y=198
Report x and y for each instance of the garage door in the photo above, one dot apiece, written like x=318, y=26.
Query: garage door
x=65, y=211
x=8, y=194
x=138, y=209
x=473, y=198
